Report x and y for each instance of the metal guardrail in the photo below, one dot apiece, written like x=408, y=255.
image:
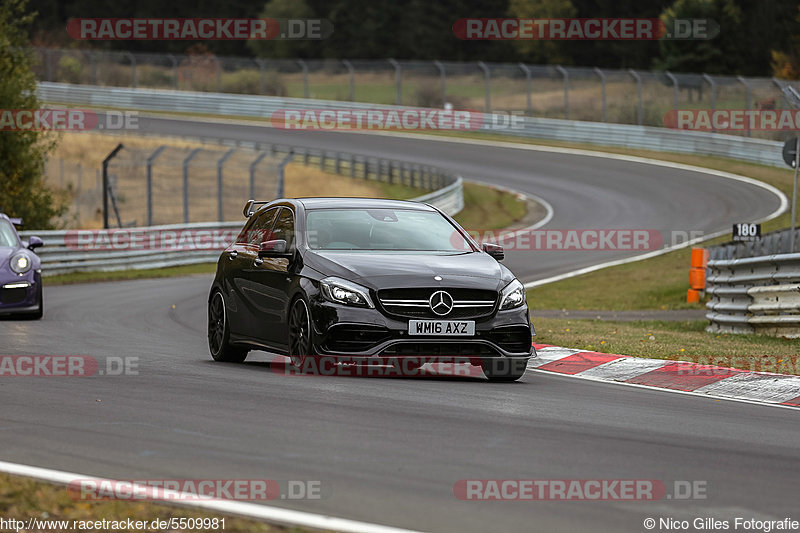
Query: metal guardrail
x=755, y=295
x=629, y=136
x=773, y=243
x=180, y=244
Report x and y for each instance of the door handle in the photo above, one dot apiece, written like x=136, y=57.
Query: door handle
x=232, y=255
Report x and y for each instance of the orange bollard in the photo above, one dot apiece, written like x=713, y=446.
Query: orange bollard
x=699, y=258
x=692, y=296
x=697, y=278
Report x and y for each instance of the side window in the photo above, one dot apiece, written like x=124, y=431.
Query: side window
x=258, y=231
x=284, y=227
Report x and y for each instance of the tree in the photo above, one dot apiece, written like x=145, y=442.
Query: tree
x=282, y=48
x=22, y=153
x=548, y=52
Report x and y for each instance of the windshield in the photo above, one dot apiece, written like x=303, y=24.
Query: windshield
x=382, y=229
x=8, y=236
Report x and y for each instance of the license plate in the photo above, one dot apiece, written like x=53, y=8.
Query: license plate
x=445, y=328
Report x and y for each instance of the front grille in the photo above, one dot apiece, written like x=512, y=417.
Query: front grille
x=514, y=339
x=415, y=303
x=352, y=338
x=13, y=296
x=438, y=349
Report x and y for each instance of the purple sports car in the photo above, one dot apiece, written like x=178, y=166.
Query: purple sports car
x=20, y=272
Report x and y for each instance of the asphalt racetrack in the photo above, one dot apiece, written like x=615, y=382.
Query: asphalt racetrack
x=389, y=450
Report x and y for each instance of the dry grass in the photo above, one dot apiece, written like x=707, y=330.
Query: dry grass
x=129, y=175
x=23, y=499
x=301, y=181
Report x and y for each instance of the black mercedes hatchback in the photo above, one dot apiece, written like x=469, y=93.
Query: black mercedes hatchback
x=356, y=280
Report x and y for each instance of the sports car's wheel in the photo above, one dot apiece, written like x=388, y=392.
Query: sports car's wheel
x=219, y=332
x=502, y=369
x=39, y=313
x=301, y=347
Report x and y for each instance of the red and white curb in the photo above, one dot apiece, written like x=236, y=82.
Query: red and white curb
x=687, y=377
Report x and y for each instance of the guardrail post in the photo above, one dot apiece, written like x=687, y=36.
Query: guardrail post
x=150, y=161
x=186, y=183
x=304, y=68
x=132, y=59
x=565, y=74
x=794, y=194
x=488, y=81
x=281, y=176
x=527, y=71
x=747, y=97
x=49, y=59
x=639, y=110
x=92, y=65
x=398, y=81
x=603, y=81
x=675, y=89
x=352, y=166
x=220, y=164
x=174, y=70
x=352, y=73
x=253, y=166
x=713, y=85
x=260, y=63
x=392, y=168
x=108, y=158
x=443, y=76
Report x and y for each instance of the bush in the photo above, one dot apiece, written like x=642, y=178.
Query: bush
x=249, y=82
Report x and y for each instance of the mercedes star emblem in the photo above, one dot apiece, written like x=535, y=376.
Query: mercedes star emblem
x=441, y=303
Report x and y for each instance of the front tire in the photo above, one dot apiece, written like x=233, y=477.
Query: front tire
x=301, y=334
x=40, y=311
x=219, y=332
x=503, y=369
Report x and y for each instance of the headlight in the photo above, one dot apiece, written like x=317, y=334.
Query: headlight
x=345, y=292
x=20, y=263
x=513, y=295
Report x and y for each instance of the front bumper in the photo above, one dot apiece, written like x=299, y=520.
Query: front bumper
x=359, y=333
x=19, y=294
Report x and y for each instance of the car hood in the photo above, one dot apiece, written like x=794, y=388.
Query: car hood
x=378, y=270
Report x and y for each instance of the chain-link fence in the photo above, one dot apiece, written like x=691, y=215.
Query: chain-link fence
x=577, y=93
x=82, y=188
x=187, y=183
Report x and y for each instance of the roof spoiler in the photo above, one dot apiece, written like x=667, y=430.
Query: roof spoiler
x=16, y=221
x=248, y=207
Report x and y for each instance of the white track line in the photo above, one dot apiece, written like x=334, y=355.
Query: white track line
x=262, y=512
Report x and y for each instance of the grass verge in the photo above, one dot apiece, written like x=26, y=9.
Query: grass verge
x=22, y=499
x=686, y=341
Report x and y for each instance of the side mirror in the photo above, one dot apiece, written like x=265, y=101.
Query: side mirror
x=276, y=248
x=495, y=250
x=34, y=242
